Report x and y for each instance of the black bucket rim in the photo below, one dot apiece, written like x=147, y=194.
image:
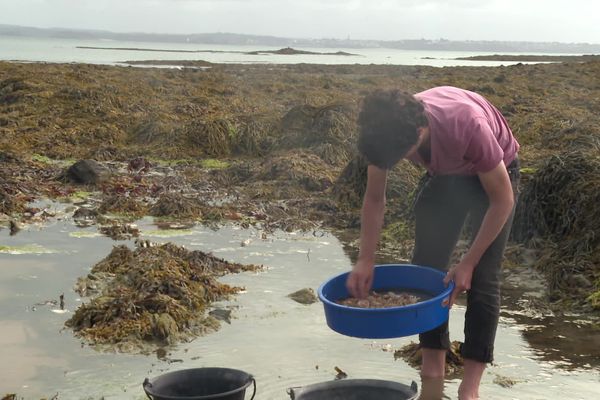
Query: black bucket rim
x=149, y=382
x=293, y=392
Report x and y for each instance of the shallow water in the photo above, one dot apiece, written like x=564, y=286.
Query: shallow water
x=282, y=343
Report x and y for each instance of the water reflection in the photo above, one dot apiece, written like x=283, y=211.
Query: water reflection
x=18, y=343
x=432, y=389
x=569, y=343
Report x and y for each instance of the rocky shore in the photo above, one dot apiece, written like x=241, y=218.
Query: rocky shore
x=273, y=146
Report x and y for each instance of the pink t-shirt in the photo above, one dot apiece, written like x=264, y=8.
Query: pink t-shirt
x=468, y=134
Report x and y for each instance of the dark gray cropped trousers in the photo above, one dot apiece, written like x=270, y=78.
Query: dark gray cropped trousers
x=442, y=205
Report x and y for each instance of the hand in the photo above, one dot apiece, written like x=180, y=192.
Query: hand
x=360, y=279
x=461, y=274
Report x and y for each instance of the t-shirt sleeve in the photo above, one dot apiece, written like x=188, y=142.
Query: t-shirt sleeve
x=483, y=150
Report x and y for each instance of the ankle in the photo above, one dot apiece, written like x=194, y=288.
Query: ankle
x=469, y=387
x=466, y=392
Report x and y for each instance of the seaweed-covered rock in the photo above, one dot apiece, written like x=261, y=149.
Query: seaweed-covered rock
x=304, y=296
x=176, y=205
x=329, y=131
x=7, y=204
x=156, y=294
x=561, y=199
x=123, y=204
x=254, y=135
x=10, y=90
x=351, y=184
x=411, y=353
x=87, y=172
x=559, y=204
x=164, y=326
x=211, y=138
x=297, y=168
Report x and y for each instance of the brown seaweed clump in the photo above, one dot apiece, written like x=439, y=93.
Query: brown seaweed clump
x=122, y=204
x=211, y=137
x=176, y=205
x=329, y=131
x=8, y=205
x=297, y=169
x=349, y=188
x=11, y=190
x=254, y=135
x=411, y=353
x=560, y=206
x=151, y=295
x=120, y=231
x=403, y=179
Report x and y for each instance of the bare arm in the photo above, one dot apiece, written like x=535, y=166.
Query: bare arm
x=373, y=209
x=498, y=188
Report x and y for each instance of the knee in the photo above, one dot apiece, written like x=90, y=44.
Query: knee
x=484, y=300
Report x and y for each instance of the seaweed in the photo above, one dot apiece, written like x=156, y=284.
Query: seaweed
x=560, y=205
x=151, y=295
x=283, y=138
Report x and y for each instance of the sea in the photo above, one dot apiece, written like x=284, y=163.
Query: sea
x=58, y=50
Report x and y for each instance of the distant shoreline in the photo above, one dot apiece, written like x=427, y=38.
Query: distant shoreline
x=157, y=50
x=224, y=38
x=284, y=51
x=532, y=58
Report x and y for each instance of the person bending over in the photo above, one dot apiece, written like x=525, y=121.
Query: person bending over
x=470, y=155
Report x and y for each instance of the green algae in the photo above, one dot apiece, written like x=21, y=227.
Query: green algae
x=528, y=171
x=213, y=163
x=27, y=249
x=84, y=234
x=79, y=195
x=41, y=159
x=167, y=233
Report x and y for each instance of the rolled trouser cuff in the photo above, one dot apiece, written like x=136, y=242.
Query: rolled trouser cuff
x=437, y=338
x=483, y=354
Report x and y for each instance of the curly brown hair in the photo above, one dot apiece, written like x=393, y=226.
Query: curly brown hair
x=389, y=122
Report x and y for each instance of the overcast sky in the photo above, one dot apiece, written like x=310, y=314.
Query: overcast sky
x=526, y=20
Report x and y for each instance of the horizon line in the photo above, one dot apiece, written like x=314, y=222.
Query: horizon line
x=348, y=39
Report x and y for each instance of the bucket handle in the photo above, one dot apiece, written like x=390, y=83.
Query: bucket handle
x=292, y=391
x=254, y=391
x=147, y=383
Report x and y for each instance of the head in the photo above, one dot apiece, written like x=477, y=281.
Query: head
x=390, y=122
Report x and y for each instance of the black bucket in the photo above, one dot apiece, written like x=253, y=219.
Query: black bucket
x=355, y=389
x=200, y=384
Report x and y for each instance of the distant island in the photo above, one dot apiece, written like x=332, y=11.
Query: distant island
x=284, y=51
x=273, y=41
x=292, y=51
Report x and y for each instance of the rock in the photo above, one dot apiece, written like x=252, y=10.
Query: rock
x=87, y=172
x=221, y=314
x=505, y=381
x=161, y=353
x=304, y=296
x=578, y=281
x=14, y=227
x=164, y=326
x=84, y=213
